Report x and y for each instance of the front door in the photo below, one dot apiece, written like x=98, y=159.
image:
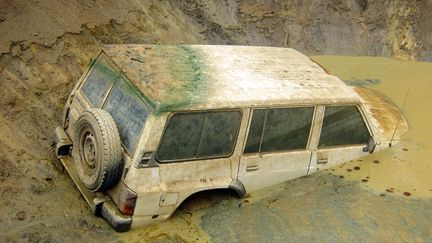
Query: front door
x=277, y=146
x=343, y=137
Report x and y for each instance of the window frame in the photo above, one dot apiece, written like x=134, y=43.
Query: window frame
x=200, y=158
x=259, y=153
x=365, y=120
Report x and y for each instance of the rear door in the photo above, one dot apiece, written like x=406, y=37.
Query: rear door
x=344, y=135
x=277, y=146
x=92, y=89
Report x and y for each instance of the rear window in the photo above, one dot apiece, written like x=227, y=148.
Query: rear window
x=199, y=135
x=99, y=81
x=343, y=125
x=279, y=129
x=128, y=111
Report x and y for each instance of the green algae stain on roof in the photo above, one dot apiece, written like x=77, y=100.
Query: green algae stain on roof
x=170, y=77
x=187, y=67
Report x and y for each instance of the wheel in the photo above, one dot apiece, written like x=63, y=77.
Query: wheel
x=100, y=162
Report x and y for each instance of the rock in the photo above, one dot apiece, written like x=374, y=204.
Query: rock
x=21, y=215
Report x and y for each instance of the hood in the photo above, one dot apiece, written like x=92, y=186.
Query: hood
x=384, y=114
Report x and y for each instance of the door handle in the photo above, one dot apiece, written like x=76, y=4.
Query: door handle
x=252, y=168
x=322, y=161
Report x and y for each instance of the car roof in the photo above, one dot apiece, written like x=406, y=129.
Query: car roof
x=190, y=77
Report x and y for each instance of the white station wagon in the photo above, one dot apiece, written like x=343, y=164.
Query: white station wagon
x=147, y=126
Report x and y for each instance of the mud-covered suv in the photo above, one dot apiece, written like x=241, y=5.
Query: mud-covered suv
x=147, y=126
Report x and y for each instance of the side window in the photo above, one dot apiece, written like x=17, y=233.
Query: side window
x=99, y=81
x=199, y=135
x=128, y=111
x=279, y=129
x=343, y=125
x=219, y=134
x=181, y=137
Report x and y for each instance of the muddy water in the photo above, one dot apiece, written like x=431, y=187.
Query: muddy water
x=406, y=168
x=183, y=226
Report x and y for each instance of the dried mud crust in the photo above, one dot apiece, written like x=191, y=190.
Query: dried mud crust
x=108, y=161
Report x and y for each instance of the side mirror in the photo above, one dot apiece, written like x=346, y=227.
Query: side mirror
x=370, y=147
x=147, y=160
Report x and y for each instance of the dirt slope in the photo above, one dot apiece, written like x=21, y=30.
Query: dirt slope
x=45, y=46
x=402, y=29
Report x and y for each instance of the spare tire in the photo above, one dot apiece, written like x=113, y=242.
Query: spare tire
x=100, y=161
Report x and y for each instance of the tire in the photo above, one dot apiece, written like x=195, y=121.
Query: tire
x=100, y=161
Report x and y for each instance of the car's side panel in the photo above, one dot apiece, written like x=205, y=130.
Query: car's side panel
x=186, y=178
x=145, y=182
x=259, y=171
x=329, y=157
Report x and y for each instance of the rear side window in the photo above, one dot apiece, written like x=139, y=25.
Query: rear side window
x=343, y=125
x=279, y=129
x=128, y=111
x=199, y=135
x=99, y=81
x=181, y=137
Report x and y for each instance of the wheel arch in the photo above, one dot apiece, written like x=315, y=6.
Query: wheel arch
x=235, y=188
